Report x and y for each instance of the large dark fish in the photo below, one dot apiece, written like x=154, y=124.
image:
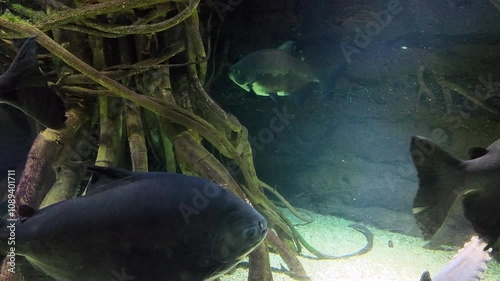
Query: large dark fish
x=24, y=87
x=276, y=72
x=146, y=226
x=468, y=264
x=481, y=208
x=443, y=179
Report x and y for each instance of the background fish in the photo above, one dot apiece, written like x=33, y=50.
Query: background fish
x=24, y=87
x=276, y=72
x=149, y=226
x=443, y=179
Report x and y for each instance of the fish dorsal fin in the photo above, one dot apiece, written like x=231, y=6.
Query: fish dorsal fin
x=476, y=152
x=25, y=212
x=25, y=64
x=104, y=178
x=288, y=46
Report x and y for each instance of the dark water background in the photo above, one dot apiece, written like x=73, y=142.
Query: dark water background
x=348, y=155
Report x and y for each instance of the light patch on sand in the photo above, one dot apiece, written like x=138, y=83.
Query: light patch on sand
x=405, y=261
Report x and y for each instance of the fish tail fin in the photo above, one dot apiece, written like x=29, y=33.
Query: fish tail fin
x=24, y=87
x=439, y=184
x=329, y=79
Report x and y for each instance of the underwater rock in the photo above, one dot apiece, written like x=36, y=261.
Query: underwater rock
x=146, y=226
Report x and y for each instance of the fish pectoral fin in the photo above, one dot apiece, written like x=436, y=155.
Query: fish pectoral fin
x=476, y=152
x=251, y=90
x=104, y=178
x=274, y=96
x=41, y=104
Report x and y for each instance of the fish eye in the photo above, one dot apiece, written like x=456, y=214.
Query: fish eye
x=251, y=233
x=235, y=71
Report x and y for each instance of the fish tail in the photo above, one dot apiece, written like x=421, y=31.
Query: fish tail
x=439, y=184
x=24, y=87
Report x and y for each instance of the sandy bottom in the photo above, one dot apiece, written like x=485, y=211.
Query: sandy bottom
x=405, y=261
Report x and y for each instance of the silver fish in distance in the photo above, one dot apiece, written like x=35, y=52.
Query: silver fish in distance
x=276, y=72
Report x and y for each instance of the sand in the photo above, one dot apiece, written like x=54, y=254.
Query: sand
x=405, y=261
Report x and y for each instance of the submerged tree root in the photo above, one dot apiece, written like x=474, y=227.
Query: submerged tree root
x=448, y=87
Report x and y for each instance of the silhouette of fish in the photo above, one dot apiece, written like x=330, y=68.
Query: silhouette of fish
x=468, y=264
x=24, y=87
x=276, y=72
x=481, y=208
x=443, y=179
x=138, y=226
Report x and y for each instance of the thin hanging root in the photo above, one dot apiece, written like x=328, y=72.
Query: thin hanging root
x=446, y=85
x=118, y=72
x=288, y=256
x=204, y=163
x=423, y=88
x=283, y=200
x=219, y=115
x=136, y=138
x=260, y=267
x=156, y=84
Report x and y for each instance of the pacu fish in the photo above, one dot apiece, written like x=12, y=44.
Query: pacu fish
x=443, y=179
x=146, y=226
x=23, y=86
x=276, y=72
